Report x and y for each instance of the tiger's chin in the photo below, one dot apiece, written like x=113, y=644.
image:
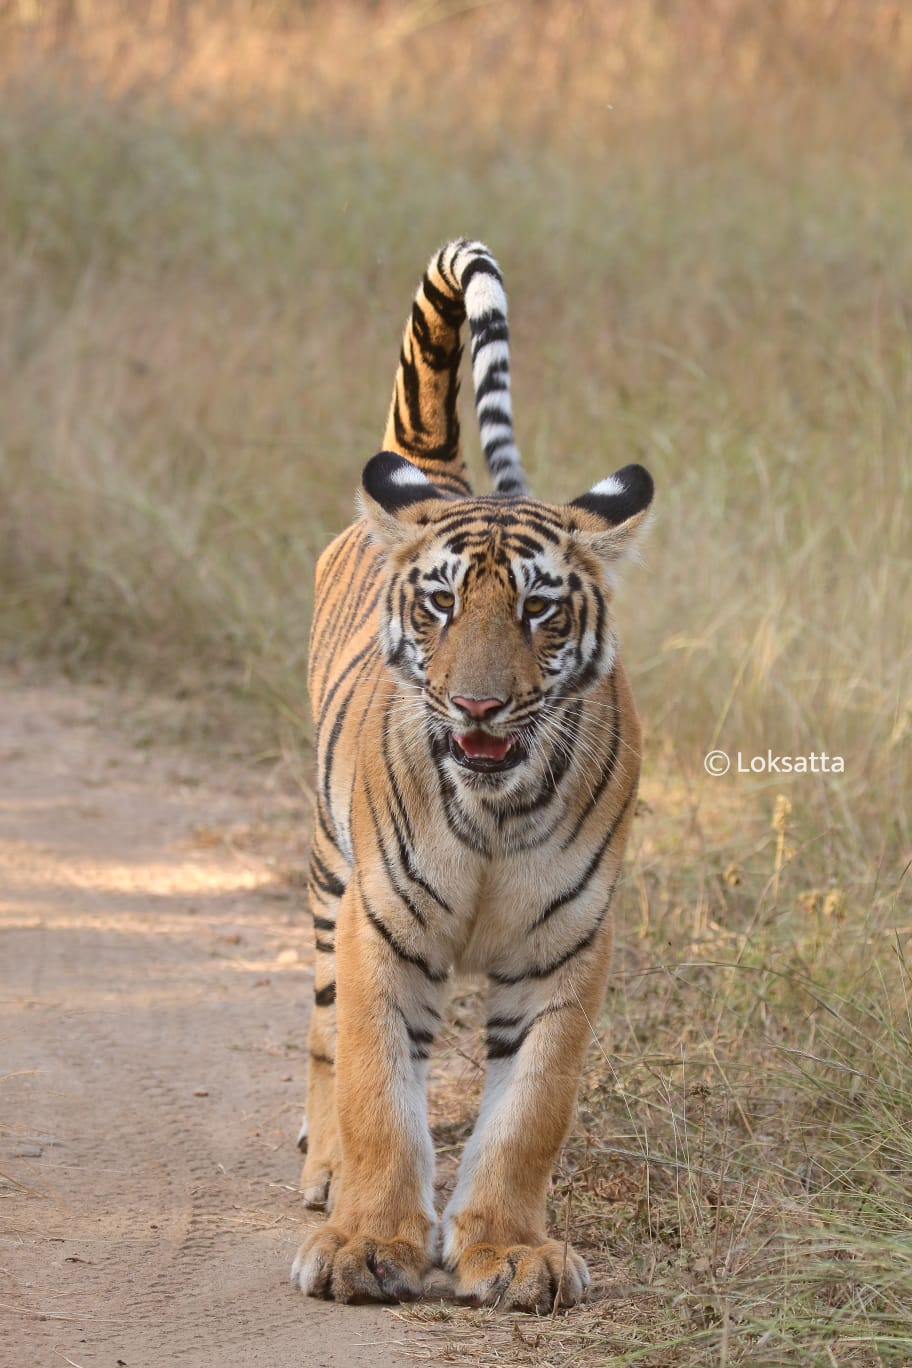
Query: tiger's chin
x=482, y=753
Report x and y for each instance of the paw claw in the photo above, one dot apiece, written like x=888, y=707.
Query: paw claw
x=521, y=1277
x=331, y=1265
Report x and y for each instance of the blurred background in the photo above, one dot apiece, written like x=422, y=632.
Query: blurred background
x=212, y=220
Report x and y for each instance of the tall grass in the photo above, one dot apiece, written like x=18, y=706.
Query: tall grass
x=212, y=224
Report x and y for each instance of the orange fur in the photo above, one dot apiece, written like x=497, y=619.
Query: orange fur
x=478, y=753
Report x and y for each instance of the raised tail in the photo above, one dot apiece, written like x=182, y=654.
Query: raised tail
x=462, y=281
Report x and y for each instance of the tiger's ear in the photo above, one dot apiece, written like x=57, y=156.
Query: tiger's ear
x=618, y=512
x=393, y=496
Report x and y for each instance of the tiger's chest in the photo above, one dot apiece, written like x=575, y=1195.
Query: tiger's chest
x=507, y=910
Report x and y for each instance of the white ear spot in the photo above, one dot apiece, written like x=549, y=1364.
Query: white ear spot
x=610, y=485
x=409, y=477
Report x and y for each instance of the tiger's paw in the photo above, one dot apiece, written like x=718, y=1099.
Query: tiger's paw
x=331, y=1265
x=521, y=1277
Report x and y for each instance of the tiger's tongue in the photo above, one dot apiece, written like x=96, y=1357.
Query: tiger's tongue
x=478, y=745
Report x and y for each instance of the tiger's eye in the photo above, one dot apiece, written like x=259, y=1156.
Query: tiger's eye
x=535, y=605
x=443, y=600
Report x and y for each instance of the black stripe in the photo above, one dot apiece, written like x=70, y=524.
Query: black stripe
x=503, y=439
x=391, y=773
x=517, y=517
x=419, y=451
x=450, y=483
x=483, y=512
x=480, y=265
x=491, y=412
x=509, y=485
x=446, y=451
x=541, y=527
x=323, y=823
x=505, y=980
x=590, y=869
x=376, y=584
x=459, y=823
x=519, y=539
x=421, y=1041
x=487, y=329
x=451, y=311
x=405, y=856
x=325, y=947
x=322, y=1058
x=434, y=975
x=583, y=622
x=450, y=411
x=331, y=744
x=404, y=843
x=324, y=924
x=449, y=275
x=437, y=356
x=336, y=626
x=336, y=732
x=404, y=898
x=607, y=770
x=369, y=649
x=498, y=1047
x=325, y=996
x=495, y=380
x=344, y=626
x=411, y=388
x=336, y=563
x=588, y=674
x=324, y=878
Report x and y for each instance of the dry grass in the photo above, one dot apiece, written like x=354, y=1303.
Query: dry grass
x=740, y=1174
x=208, y=242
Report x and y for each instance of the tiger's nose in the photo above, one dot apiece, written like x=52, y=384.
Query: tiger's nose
x=478, y=708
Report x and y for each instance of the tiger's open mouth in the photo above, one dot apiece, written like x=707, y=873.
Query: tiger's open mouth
x=484, y=753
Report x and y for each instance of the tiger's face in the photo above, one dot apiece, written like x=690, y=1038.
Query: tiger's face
x=497, y=610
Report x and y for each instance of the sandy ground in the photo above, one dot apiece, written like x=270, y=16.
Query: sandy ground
x=155, y=983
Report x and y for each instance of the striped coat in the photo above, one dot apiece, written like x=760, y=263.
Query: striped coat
x=478, y=753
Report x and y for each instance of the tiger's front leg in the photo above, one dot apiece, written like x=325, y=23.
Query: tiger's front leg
x=495, y=1237
x=378, y=1243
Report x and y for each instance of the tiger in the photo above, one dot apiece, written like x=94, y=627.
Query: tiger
x=478, y=755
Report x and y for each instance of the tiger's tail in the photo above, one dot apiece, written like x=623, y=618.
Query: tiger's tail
x=462, y=281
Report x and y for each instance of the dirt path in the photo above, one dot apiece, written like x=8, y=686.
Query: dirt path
x=155, y=983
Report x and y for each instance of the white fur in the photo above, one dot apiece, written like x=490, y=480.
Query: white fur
x=490, y=430
x=610, y=485
x=485, y=358
x=497, y=1087
x=484, y=295
x=410, y=476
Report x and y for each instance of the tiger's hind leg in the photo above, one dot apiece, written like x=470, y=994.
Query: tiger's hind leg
x=318, y=1137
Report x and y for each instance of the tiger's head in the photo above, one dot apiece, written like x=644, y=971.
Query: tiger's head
x=496, y=610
